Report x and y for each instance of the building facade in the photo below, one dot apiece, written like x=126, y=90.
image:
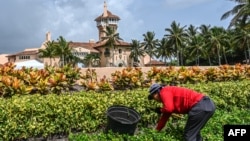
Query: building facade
x=118, y=57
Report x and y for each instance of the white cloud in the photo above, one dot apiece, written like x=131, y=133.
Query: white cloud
x=24, y=23
x=177, y=4
x=130, y=22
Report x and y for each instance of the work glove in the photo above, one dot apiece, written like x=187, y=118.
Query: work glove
x=157, y=110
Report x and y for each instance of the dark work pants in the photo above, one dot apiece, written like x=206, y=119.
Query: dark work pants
x=197, y=118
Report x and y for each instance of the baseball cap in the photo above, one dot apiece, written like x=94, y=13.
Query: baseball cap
x=152, y=89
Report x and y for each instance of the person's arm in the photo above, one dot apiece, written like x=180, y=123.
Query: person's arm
x=162, y=122
x=167, y=101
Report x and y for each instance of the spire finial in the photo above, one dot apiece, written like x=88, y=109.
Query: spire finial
x=105, y=12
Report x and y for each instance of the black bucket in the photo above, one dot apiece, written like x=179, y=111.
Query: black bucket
x=122, y=120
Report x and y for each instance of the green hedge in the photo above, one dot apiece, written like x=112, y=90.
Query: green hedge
x=173, y=131
x=226, y=94
x=44, y=115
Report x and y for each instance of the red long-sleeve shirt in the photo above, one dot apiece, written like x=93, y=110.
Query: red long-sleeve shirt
x=176, y=100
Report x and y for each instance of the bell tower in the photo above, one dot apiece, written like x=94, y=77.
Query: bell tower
x=106, y=19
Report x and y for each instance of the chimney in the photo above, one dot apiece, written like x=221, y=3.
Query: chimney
x=91, y=41
x=48, y=36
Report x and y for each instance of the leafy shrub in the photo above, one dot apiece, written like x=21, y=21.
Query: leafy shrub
x=45, y=115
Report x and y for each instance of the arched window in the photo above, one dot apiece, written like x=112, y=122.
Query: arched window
x=107, y=52
x=120, y=51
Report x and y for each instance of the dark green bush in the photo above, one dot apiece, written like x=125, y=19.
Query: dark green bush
x=27, y=116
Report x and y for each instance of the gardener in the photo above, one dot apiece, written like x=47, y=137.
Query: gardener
x=181, y=100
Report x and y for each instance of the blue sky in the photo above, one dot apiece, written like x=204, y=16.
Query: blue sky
x=24, y=23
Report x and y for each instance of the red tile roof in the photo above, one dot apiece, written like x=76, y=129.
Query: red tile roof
x=86, y=45
x=110, y=15
x=31, y=52
x=103, y=42
x=155, y=63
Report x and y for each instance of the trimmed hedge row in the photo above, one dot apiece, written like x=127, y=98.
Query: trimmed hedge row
x=27, y=116
x=213, y=131
x=227, y=94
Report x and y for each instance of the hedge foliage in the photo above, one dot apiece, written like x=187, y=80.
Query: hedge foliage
x=27, y=116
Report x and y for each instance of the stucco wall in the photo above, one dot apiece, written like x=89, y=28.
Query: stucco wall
x=107, y=71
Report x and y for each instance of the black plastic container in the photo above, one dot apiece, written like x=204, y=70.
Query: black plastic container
x=122, y=120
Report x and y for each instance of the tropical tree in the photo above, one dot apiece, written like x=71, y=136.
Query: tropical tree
x=216, y=40
x=111, y=39
x=136, y=51
x=90, y=59
x=204, y=32
x=241, y=12
x=73, y=59
x=149, y=43
x=164, y=51
x=241, y=24
x=227, y=45
x=49, y=51
x=242, y=39
x=177, y=36
x=195, y=44
x=63, y=50
x=233, y=52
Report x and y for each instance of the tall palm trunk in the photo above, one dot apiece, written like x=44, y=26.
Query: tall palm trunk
x=178, y=58
x=62, y=60
x=165, y=60
x=225, y=57
x=50, y=61
x=113, y=58
x=197, y=58
x=209, y=61
x=248, y=59
x=181, y=57
x=218, y=54
x=150, y=59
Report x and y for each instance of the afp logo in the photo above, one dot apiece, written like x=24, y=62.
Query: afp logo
x=241, y=132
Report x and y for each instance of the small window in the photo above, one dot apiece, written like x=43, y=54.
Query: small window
x=24, y=57
x=107, y=52
x=120, y=51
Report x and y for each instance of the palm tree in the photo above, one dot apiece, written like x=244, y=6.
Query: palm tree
x=73, y=59
x=89, y=59
x=164, y=51
x=241, y=13
x=112, y=39
x=226, y=45
x=49, y=51
x=216, y=40
x=149, y=44
x=233, y=50
x=176, y=36
x=204, y=32
x=136, y=51
x=242, y=39
x=195, y=44
x=63, y=50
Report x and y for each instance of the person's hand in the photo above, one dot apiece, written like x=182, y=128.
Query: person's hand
x=157, y=110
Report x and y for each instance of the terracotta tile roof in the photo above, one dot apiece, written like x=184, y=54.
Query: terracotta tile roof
x=102, y=43
x=86, y=45
x=155, y=63
x=110, y=15
x=29, y=52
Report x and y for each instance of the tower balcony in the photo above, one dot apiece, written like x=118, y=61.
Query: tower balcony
x=106, y=23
